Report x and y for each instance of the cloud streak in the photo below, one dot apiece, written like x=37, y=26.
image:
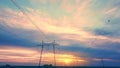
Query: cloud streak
x=76, y=23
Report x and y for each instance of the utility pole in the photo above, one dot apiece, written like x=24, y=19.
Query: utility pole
x=102, y=62
x=41, y=52
x=54, y=53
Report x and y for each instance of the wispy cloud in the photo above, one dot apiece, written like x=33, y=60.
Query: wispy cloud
x=70, y=22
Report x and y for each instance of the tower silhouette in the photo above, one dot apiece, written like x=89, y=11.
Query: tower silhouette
x=53, y=44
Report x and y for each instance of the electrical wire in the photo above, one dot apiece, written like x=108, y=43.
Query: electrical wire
x=23, y=11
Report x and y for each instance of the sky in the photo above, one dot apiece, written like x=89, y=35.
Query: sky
x=87, y=32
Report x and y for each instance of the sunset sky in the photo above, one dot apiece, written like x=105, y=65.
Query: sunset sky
x=87, y=31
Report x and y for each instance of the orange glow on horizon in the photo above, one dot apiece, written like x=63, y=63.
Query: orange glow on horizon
x=65, y=60
x=25, y=55
x=70, y=60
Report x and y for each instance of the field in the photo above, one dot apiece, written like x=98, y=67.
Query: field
x=52, y=67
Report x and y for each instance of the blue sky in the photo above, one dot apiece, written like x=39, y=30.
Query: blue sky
x=86, y=29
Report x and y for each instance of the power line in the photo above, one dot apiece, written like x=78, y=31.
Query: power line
x=23, y=11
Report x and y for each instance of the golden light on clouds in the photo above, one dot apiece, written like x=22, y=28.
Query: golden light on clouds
x=64, y=59
x=27, y=55
x=70, y=60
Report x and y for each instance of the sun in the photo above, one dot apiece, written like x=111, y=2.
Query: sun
x=64, y=59
x=68, y=61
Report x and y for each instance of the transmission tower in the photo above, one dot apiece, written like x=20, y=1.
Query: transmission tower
x=52, y=44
